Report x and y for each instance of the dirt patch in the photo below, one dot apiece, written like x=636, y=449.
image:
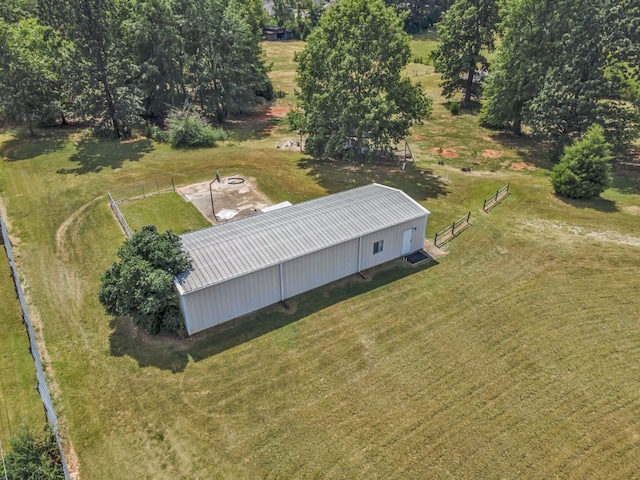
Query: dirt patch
x=270, y=112
x=417, y=137
x=233, y=197
x=444, y=152
x=631, y=209
x=557, y=229
x=519, y=165
x=488, y=153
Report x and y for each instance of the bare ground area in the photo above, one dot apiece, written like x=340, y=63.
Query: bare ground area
x=232, y=198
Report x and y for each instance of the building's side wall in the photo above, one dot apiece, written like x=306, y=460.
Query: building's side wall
x=392, y=246
x=319, y=268
x=217, y=304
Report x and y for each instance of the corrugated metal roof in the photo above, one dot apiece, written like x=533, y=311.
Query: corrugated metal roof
x=236, y=248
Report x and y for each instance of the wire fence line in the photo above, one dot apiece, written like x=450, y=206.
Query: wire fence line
x=123, y=223
x=143, y=189
x=42, y=387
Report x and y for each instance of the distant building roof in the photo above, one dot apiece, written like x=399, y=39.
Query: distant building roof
x=236, y=248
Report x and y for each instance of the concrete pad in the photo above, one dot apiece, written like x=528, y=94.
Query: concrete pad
x=243, y=197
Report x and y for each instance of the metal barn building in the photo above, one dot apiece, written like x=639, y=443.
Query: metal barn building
x=242, y=266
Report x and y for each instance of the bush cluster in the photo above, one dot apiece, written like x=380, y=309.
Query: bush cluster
x=140, y=285
x=187, y=129
x=584, y=171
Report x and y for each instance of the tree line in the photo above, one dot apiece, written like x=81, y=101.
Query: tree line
x=118, y=62
x=560, y=65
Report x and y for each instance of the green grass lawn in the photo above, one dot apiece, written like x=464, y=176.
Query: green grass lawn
x=19, y=400
x=516, y=355
x=167, y=211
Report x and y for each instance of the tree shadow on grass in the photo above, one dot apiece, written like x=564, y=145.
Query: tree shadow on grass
x=171, y=353
x=92, y=155
x=26, y=147
x=626, y=172
x=253, y=126
x=600, y=204
x=529, y=149
x=337, y=176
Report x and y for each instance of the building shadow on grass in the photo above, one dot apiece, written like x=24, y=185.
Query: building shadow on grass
x=337, y=175
x=172, y=353
x=92, y=155
x=26, y=147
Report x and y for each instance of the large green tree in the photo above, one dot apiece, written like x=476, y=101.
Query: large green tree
x=467, y=29
x=520, y=63
x=32, y=62
x=140, y=284
x=351, y=89
x=153, y=38
x=584, y=171
x=225, y=66
x=564, y=64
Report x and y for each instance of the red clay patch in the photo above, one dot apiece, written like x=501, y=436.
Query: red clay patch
x=444, y=152
x=522, y=166
x=491, y=153
x=265, y=113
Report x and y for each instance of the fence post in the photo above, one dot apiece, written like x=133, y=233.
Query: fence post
x=142, y=186
x=157, y=187
x=435, y=240
x=173, y=186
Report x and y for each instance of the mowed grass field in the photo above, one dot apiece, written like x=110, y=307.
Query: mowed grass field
x=19, y=401
x=516, y=355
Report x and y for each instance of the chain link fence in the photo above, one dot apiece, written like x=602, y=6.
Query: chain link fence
x=142, y=189
x=42, y=387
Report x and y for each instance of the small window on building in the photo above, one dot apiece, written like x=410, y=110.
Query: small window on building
x=377, y=247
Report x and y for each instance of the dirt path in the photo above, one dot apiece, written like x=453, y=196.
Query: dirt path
x=64, y=226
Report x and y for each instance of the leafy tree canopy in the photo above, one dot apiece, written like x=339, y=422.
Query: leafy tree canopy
x=140, y=285
x=115, y=62
x=563, y=65
x=584, y=171
x=32, y=57
x=351, y=92
x=467, y=28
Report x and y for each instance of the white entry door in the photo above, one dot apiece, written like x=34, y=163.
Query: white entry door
x=407, y=236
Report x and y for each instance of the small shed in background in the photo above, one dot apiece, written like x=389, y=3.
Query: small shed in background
x=248, y=264
x=277, y=33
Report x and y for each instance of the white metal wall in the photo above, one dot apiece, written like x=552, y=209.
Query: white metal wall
x=217, y=304
x=319, y=268
x=392, y=247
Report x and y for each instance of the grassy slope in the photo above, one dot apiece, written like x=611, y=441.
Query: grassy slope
x=516, y=355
